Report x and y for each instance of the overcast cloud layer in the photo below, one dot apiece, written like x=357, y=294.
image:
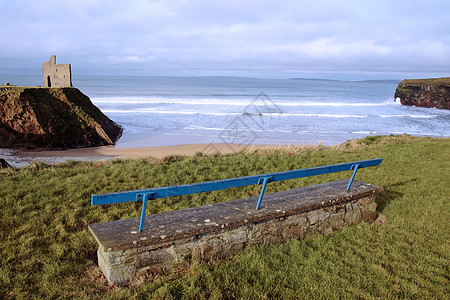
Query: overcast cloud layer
x=383, y=39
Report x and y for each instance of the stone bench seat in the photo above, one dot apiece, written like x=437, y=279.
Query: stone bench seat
x=197, y=234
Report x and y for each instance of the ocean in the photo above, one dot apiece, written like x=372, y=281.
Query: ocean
x=159, y=111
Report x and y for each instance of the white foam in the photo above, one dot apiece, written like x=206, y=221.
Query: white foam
x=241, y=129
x=195, y=127
x=128, y=111
x=420, y=116
x=417, y=133
x=328, y=104
x=320, y=115
x=172, y=112
x=154, y=111
x=364, y=132
x=156, y=100
x=407, y=116
x=231, y=102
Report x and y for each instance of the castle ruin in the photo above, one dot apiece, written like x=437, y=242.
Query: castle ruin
x=56, y=75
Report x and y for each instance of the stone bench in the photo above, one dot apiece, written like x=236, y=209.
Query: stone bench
x=196, y=234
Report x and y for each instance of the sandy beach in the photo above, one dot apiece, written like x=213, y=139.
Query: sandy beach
x=20, y=157
x=136, y=152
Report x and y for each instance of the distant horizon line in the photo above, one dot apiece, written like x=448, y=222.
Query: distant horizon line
x=214, y=76
x=317, y=78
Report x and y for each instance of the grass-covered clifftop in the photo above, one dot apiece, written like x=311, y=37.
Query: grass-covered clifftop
x=444, y=81
x=52, y=118
x=47, y=251
x=433, y=92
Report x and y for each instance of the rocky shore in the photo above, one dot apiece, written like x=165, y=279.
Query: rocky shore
x=433, y=92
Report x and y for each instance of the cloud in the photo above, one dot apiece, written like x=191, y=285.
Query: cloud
x=153, y=37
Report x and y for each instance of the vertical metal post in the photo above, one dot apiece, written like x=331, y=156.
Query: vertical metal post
x=354, y=168
x=265, y=180
x=144, y=208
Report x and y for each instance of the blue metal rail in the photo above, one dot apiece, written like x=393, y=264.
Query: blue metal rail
x=179, y=190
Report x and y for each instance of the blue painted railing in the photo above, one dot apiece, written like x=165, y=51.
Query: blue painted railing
x=179, y=190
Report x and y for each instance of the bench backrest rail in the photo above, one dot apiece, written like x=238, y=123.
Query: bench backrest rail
x=179, y=190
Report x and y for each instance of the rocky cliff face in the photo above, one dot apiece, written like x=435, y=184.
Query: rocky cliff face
x=424, y=92
x=57, y=118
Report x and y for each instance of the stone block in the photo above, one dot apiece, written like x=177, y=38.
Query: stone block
x=367, y=200
x=336, y=220
x=370, y=207
x=211, y=248
x=369, y=215
x=352, y=214
x=317, y=216
x=160, y=258
x=294, y=227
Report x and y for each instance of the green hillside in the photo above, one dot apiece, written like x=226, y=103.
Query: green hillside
x=47, y=251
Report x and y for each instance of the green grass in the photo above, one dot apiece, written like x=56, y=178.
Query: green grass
x=48, y=252
x=444, y=81
x=17, y=87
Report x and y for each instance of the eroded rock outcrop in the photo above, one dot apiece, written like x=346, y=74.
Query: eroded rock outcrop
x=53, y=118
x=424, y=92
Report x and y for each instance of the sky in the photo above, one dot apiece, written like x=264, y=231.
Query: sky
x=349, y=39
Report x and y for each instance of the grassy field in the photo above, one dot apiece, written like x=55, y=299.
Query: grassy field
x=48, y=252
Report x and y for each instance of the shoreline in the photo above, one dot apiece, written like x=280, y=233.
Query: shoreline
x=20, y=157
x=137, y=152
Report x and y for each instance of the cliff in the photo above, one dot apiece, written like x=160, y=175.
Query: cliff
x=424, y=92
x=57, y=118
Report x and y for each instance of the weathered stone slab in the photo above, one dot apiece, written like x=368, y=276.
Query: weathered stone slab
x=217, y=230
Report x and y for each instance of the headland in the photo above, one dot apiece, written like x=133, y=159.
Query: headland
x=52, y=118
x=434, y=92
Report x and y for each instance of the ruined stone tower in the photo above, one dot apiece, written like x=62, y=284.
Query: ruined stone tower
x=56, y=75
